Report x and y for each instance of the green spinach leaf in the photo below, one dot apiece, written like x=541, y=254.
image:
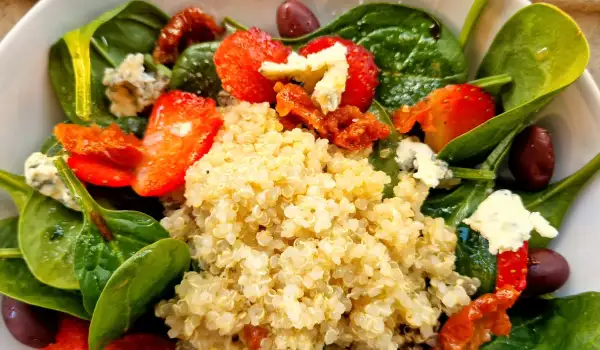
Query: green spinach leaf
x=384, y=151
x=542, y=60
x=47, y=234
x=17, y=282
x=16, y=187
x=8, y=232
x=415, y=53
x=569, y=323
x=554, y=202
x=195, y=70
x=108, y=238
x=135, y=285
x=78, y=60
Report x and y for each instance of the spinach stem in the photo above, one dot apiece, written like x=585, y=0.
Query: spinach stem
x=87, y=203
x=472, y=174
x=156, y=67
x=230, y=22
x=102, y=52
x=493, y=81
x=10, y=253
x=471, y=21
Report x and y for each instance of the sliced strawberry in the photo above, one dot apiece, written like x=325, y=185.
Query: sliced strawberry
x=99, y=172
x=141, y=342
x=110, y=143
x=72, y=335
x=363, y=74
x=447, y=113
x=180, y=131
x=238, y=59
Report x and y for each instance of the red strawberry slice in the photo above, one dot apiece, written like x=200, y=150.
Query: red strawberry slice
x=181, y=130
x=72, y=335
x=110, y=143
x=99, y=172
x=363, y=74
x=447, y=113
x=238, y=59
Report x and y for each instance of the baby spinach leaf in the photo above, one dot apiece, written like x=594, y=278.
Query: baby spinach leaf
x=108, y=238
x=569, y=323
x=471, y=21
x=474, y=259
x=542, y=60
x=16, y=187
x=78, y=60
x=135, y=286
x=47, y=234
x=195, y=70
x=17, y=282
x=494, y=84
x=415, y=53
x=554, y=202
x=384, y=151
x=8, y=232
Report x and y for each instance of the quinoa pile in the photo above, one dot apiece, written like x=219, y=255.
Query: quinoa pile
x=291, y=234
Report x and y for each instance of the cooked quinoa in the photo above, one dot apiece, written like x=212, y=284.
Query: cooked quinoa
x=292, y=235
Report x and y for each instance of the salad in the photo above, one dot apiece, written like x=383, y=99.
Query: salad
x=337, y=187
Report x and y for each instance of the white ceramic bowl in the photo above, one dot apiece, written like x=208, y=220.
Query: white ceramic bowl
x=29, y=108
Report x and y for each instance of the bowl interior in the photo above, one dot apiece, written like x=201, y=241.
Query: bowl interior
x=29, y=108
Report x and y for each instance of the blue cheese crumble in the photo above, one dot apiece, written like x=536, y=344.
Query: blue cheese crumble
x=130, y=89
x=505, y=222
x=412, y=155
x=324, y=74
x=42, y=175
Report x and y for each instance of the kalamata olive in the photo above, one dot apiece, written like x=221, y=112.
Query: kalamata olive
x=294, y=19
x=547, y=271
x=532, y=158
x=30, y=325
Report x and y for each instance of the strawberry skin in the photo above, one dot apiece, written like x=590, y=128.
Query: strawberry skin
x=447, y=113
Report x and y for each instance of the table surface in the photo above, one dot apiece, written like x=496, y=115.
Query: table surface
x=585, y=12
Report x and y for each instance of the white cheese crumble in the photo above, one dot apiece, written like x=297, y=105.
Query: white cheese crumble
x=42, y=175
x=130, y=89
x=505, y=222
x=323, y=73
x=412, y=155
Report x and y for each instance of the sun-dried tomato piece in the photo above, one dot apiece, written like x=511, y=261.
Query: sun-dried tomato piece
x=238, y=59
x=253, y=335
x=354, y=130
x=363, y=74
x=473, y=325
x=346, y=127
x=187, y=27
x=110, y=143
x=296, y=106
